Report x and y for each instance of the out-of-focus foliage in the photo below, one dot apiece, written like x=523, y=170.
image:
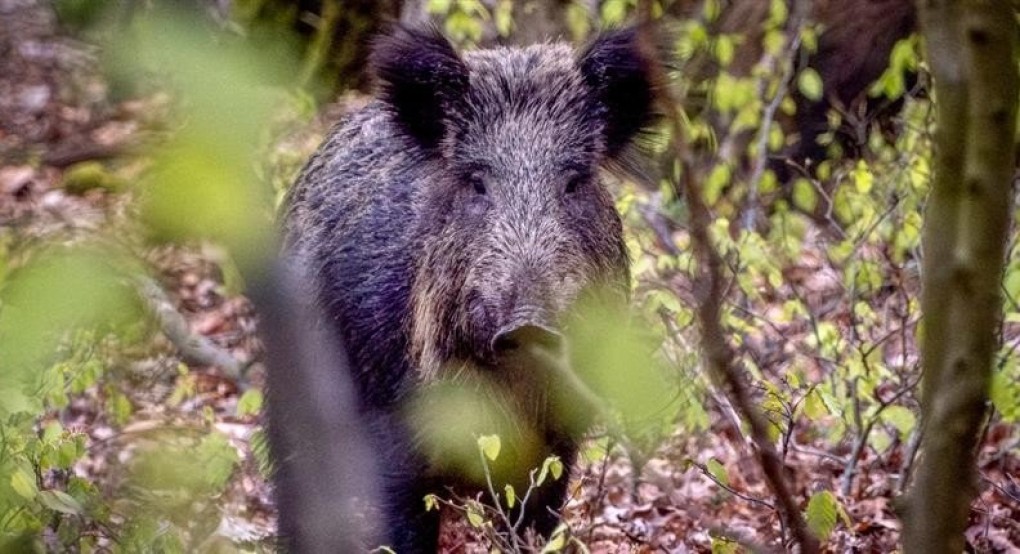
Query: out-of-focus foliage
x=500, y=519
x=333, y=36
x=70, y=310
x=202, y=185
x=821, y=306
x=464, y=20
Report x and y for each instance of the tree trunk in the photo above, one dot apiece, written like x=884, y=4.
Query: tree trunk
x=324, y=470
x=971, y=51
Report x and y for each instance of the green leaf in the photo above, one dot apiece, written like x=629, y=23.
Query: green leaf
x=809, y=82
x=474, y=517
x=557, y=542
x=250, y=403
x=503, y=17
x=809, y=39
x=37, y=306
x=13, y=400
x=218, y=459
x=489, y=445
x=901, y=418
x=717, y=180
x=431, y=502
x=1005, y=393
x=723, y=545
x=724, y=50
x=711, y=10
x=23, y=483
x=60, y=501
x=814, y=406
x=717, y=470
x=776, y=139
x=118, y=405
x=778, y=12
x=821, y=514
x=438, y=7
x=552, y=465
x=774, y=41
x=804, y=195
x=70, y=451
x=577, y=21
x=556, y=468
x=52, y=432
x=863, y=178
x=511, y=496
x=614, y=11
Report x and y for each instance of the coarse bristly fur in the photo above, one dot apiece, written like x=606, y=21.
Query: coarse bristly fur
x=464, y=202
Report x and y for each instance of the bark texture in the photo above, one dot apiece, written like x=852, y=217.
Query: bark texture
x=971, y=51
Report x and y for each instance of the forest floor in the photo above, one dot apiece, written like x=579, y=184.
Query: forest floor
x=56, y=113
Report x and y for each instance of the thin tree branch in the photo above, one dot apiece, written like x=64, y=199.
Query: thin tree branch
x=717, y=351
x=769, y=115
x=194, y=348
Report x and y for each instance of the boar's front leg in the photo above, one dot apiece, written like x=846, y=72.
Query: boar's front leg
x=408, y=527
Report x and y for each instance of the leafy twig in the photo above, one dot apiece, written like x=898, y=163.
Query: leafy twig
x=717, y=351
x=761, y=502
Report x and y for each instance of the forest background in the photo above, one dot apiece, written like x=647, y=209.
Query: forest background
x=143, y=153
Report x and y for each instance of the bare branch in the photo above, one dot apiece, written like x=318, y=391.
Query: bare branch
x=194, y=348
x=719, y=356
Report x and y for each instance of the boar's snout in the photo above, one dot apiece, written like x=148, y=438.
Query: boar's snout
x=522, y=315
x=525, y=335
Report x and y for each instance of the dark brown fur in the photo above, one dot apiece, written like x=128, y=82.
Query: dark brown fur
x=457, y=217
x=854, y=45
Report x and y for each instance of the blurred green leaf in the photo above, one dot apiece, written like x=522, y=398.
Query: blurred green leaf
x=203, y=184
x=725, y=49
x=557, y=542
x=619, y=362
x=821, y=514
x=431, y=502
x=474, y=515
x=503, y=17
x=23, y=483
x=718, y=471
x=250, y=403
x=439, y=7
x=901, y=418
x=59, y=501
x=614, y=11
x=489, y=445
x=450, y=416
x=804, y=195
x=809, y=83
x=863, y=179
x=38, y=308
x=1005, y=391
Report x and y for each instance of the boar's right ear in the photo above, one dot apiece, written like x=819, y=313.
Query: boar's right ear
x=618, y=73
x=421, y=77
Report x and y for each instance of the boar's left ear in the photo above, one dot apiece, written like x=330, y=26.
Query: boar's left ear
x=619, y=75
x=421, y=77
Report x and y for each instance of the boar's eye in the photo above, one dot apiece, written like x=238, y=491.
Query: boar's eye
x=478, y=183
x=575, y=183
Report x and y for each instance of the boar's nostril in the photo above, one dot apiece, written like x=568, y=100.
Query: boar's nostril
x=527, y=335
